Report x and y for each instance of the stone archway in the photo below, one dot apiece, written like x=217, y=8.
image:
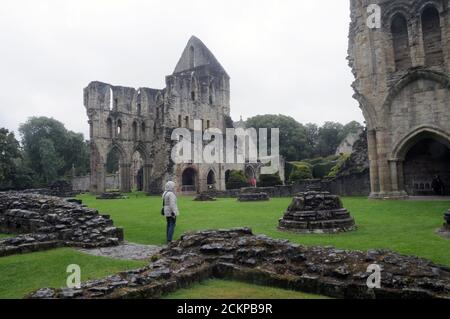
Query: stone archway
x=189, y=180
x=211, y=180
x=141, y=169
x=421, y=157
x=116, y=162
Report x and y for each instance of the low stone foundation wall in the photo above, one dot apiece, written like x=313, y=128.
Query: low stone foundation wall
x=49, y=222
x=239, y=255
x=353, y=185
x=253, y=197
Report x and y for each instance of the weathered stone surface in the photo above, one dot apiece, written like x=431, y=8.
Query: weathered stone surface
x=48, y=222
x=402, y=85
x=238, y=254
x=253, y=197
x=317, y=212
x=125, y=251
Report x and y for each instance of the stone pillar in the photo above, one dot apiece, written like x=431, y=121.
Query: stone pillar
x=147, y=176
x=372, y=148
x=383, y=164
x=125, y=178
x=394, y=175
x=401, y=177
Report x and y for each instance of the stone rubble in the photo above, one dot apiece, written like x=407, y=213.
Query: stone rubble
x=317, y=212
x=46, y=222
x=237, y=254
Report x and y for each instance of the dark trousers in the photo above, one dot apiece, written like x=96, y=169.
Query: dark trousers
x=171, y=223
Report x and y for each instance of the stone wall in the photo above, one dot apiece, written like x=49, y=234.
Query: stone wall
x=47, y=222
x=402, y=85
x=83, y=183
x=239, y=255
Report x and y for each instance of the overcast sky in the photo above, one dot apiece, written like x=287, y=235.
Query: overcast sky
x=283, y=56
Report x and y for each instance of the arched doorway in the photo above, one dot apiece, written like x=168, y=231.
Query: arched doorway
x=211, y=180
x=137, y=172
x=189, y=180
x=426, y=164
x=113, y=170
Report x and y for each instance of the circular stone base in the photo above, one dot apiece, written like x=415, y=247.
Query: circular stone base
x=319, y=231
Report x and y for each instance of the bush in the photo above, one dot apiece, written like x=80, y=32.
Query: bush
x=299, y=173
x=269, y=180
x=236, y=180
x=322, y=169
x=337, y=168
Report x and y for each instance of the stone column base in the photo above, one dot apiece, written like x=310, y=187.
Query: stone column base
x=389, y=195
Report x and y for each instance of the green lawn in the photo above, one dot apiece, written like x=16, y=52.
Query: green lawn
x=4, y=236
x=404, y=226
x=224, y=289
x=22, y=274
x=407, y=227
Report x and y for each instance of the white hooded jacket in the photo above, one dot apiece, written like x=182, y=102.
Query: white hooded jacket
x=170, y=200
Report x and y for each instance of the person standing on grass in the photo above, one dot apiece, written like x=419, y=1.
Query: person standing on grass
x=170, y=209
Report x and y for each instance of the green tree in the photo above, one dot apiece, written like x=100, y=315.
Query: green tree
x=9, y=152
x=50, y=150
x=330, y=136
x=293, y=137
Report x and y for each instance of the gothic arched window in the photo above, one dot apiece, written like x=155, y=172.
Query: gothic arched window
x=432, y=37
x=402, y=53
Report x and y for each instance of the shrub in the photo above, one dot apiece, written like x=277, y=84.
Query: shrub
x=300, y=172
x=236, y=180
x=337, y=168
x=322, y=169
x=269, y=180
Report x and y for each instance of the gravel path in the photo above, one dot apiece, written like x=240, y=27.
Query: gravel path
x=127, y=251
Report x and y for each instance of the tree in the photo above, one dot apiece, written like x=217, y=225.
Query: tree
x=312, y=136
x=9, y=152
x=293, y=138
x=330, y=136
x=50, y=150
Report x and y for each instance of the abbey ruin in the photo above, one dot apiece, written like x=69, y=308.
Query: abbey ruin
x=137, y=125
x=402, y=85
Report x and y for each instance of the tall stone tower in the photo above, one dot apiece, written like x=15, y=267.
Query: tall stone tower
x=139, y=123
x=402, y=85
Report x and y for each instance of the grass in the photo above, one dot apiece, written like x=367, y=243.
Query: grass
x=2, y=236
x=407, y=227
x=22, y=274
x=224, y=289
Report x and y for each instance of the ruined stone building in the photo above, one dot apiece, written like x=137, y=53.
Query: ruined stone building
x=137, y=124
x=402, y=84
